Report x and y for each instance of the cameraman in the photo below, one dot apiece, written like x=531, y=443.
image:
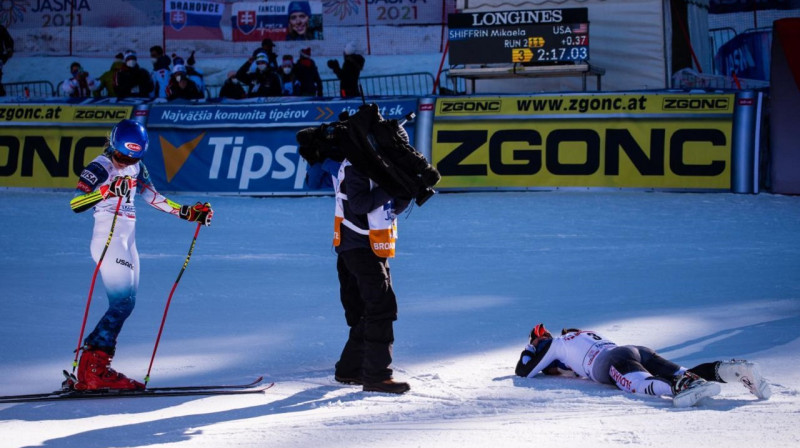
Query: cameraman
x=80, y=85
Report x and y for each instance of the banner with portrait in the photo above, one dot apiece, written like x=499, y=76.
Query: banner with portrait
x=277, y=20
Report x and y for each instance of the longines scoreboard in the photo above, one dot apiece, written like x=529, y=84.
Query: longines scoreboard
x=542, y=36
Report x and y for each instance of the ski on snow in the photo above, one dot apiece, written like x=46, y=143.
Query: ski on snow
x=253, y=387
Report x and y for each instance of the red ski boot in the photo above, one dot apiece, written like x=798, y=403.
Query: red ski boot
x=94, y=373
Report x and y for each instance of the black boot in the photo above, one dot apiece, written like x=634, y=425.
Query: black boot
x=387, y=386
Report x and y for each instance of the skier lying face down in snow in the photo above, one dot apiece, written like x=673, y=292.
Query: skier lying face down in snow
x=632, y=368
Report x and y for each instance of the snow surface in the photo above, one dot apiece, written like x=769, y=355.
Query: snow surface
x=698, y=277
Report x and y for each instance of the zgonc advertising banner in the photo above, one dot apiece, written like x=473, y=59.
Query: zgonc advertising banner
x=631, y=140
x=241, y=149
x=47, y=146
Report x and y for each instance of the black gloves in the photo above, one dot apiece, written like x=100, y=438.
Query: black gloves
x=201, y=213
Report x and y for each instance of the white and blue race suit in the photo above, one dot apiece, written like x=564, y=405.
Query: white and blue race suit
x=120, y=268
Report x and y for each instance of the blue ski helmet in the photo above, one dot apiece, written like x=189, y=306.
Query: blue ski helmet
x=129, y=138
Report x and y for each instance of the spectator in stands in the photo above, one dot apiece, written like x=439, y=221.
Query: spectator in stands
x=161, y=72
x=261, y=83
x=158, y=57
x=272, y=58
x=107, y=79
x=6, y=51
x=232, y=88
x=307, y=75
x=181, y=87
x=80, y=84
x=132, y=80
x=299, y=22
x=193, y=72
x=349, y=72
x=289, y=84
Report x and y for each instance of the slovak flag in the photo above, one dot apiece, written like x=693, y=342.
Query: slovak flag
x=252, y=21
x=193, y=19
x=177, y=19
x=246, y=21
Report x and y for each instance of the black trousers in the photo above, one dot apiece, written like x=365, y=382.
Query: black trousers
x=370, y=308
x=635, y=358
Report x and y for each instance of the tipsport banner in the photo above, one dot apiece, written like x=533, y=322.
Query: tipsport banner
x=248, y=150
x=193, y=19
x=277, y=20
x=306, y=113
x=246, y=161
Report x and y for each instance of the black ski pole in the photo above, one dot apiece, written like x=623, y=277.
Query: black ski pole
x=169, y=300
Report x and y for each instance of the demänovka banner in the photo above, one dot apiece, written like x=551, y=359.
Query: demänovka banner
x=194, y=19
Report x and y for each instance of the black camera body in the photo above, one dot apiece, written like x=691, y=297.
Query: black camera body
x=377, y=147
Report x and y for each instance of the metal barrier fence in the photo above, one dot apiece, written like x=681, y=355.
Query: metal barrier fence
x=413, y=84
x=30, y=89
x=451, y=85
x=719, y=36
x=406, y=84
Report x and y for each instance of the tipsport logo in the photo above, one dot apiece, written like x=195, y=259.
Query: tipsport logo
x=175, y=156
x=232, y=158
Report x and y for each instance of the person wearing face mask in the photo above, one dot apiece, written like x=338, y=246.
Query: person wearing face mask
x=132, y=80
x=157, y=56
x=262, y=82
x=307, y=75
x=161, y=72
x=232, y=88
x=267, y=47
x=80, y=85
x=191, y=70
x=109, y=77
x=289, y=84
x=181, y=87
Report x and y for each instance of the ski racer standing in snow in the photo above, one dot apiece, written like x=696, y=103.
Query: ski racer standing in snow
x=112, y=179
x=365, y=230
x=633, y=369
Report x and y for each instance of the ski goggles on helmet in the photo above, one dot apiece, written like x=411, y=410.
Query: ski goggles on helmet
x=539, y=331
x=122, y=159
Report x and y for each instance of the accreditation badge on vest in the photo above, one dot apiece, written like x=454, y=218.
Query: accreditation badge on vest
x=382, y=230
x=382, y=241
x=337, y=233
